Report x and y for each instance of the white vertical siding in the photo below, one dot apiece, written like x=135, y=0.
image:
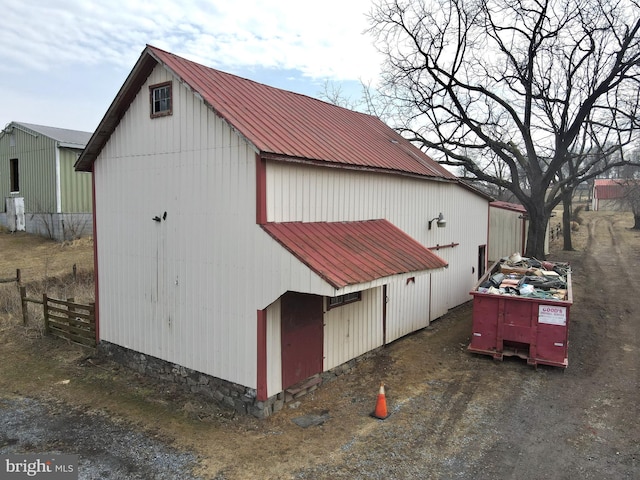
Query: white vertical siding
x=274, y=349
x=177, y=289
x=353, y=329
x=407, y=306
x=505, y=237
x=409, y=203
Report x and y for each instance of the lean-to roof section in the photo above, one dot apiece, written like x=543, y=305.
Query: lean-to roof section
x=350, y=253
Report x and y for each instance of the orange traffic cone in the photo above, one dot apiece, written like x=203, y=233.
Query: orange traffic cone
x=381, y=405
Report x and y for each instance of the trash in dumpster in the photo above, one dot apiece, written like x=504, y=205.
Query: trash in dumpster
x=528, y=278
x=521, y=307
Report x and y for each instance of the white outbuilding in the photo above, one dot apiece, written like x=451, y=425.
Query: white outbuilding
x=252, y=242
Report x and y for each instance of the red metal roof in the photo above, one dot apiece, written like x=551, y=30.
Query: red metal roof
x=349, y=253
x=609, y=188
x=281, y=124
x=293, y=125
x=515, y=207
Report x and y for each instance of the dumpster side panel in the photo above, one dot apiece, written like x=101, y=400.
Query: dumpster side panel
x=552, y=334
x=518, y=321
x=485, y=322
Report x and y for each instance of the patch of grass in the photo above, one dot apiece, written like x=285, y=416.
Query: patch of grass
x=61, y=270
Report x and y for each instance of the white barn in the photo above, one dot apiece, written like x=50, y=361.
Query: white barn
x=507, y=229
x=250, y=241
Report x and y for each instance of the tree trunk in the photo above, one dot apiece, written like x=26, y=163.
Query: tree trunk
x=636, y=225
x=536, y=235
x=566, y=220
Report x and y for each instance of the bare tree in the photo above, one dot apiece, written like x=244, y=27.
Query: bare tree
x=370, y=102
x=332, y=93
x=525, y=83
x=632, y=198
x=630, y=195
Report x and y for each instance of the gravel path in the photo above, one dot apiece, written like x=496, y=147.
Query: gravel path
x=107, y=449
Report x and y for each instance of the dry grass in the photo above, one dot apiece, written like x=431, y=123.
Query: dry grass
x=61, y=270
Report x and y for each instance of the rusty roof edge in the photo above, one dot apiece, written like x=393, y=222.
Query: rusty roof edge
x=514, y=207
x=302, y=260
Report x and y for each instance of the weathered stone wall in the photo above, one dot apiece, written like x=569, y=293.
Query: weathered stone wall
x=232, y=395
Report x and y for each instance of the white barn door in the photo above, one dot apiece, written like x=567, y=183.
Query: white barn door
x=407, y=306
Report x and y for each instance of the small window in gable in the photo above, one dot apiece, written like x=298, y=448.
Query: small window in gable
x=161, y=99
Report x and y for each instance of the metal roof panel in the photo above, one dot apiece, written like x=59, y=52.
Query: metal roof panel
x=293, y=125
x=349, y=253
x=72, y=138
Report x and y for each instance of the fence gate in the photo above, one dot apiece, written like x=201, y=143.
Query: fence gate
x=66, y=319
x=69, y=320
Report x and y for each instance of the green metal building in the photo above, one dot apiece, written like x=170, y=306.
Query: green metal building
x=40, y=190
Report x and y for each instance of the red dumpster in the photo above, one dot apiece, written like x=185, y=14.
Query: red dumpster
x=513, y=317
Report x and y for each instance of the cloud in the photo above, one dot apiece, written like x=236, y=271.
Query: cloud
x=319, y=39
x=63, y=61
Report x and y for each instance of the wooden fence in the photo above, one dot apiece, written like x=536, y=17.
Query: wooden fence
x=65, y=318
x=556, y=232
x=12, y=279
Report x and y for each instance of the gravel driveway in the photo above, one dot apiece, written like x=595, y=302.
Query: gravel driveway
x=107, y=448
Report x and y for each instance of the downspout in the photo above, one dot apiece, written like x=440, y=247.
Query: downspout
x=58, y=180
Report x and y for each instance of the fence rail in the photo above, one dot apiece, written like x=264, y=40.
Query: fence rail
x=12, y=279
x=66, y=319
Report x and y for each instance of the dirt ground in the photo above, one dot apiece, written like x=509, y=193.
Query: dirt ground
x=453, y=414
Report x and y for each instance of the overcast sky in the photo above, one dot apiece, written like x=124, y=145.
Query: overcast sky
x=63, y=61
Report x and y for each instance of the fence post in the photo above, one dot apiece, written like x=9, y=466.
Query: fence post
x=23, y=300
x=71, y=308
x=45, y=312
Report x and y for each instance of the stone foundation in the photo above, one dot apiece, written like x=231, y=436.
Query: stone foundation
x=228, y=394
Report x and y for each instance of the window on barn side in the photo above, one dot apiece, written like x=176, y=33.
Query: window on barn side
x=14, y=175
x=161, y=99
x=333, y=302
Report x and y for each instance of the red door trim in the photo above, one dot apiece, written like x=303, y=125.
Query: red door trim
x=261, y=380
x=261, y=190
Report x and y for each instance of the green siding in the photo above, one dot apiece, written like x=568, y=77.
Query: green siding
x=36, y=154
x=75, y=186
